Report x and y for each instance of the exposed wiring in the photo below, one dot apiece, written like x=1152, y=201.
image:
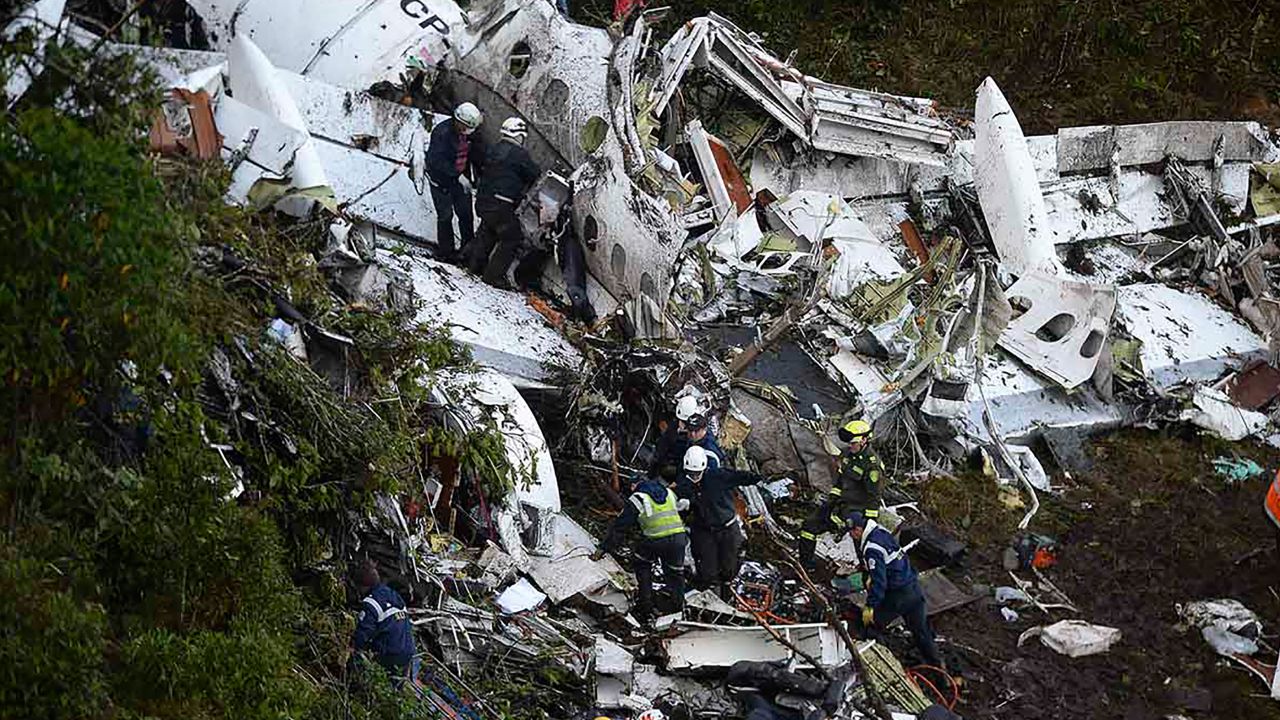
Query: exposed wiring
x=919, y=678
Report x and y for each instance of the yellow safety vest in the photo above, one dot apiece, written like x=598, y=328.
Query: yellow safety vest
x=659, y=520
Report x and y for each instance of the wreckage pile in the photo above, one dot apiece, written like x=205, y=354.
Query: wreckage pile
x=791, y=252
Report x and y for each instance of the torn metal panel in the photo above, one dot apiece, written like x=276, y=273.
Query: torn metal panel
x=494, y=402
x=1255, y=386
x=782, y=169
x=1007, y=187
x=612, y=658
x=499, y=327
x=685, y=48
x=729, y=192
x=358, y=120
x=562, y=565
x=1096, y=147
x=1185, y=337
x=41, y=18
x=1213, y=410
x=353, y=44
x=701, y=646
x=631, y=239
x=267, y=146
x=709, y=697
x=1062, y=330
x=525, y=59
x=177, y=68
x=1022, y=402
x=857, y=122
x=254, y=81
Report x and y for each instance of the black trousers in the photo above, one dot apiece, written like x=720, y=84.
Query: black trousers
x=500, y=234
x=451, y=200
x=821, y=520
x=670, y=552
x=715, y=555
x=909, y=604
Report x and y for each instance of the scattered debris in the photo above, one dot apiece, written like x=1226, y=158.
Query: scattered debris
x=1073, y=638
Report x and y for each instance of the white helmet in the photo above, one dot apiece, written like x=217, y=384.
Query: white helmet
x=654, y=714
x=515, y=130
x=468, y=116
x=687, y=407
x=695, y=460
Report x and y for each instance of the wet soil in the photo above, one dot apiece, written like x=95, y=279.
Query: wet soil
x=1150, y=526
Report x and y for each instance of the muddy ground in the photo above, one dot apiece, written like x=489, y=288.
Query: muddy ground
x=1151, y=525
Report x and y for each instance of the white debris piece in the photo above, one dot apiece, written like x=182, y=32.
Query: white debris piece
x=561, y=564
x=1073, y=638
x=503, y=332
x=254, y=81
x=1007, y=187
x=1215, y=412
x=1225, y=613
x=1022, y=402
x=338, y=41
x=701, y=646
x=612, y=658
x=520, y=597
x=500, y=405
x=1185, y=337
x=1062, y=328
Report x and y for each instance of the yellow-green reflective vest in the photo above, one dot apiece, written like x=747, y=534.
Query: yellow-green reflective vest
x=659, y=520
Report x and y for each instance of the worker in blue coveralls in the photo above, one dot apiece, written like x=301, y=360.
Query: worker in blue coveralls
x=893, y=588
x=656, y=509
x=690, y=429
x=714, y=528
x=383, y=626
x=453, y=156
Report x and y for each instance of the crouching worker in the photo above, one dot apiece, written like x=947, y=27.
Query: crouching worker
x=507, y=175
x=655, y=509
x=893, y=588
x=383, y=626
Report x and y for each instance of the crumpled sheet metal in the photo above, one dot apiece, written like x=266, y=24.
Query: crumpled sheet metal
x=1185, y=337
x=1063, y=331
x=701, y=646
x=782, y=445
x=1022, y=403
x=353, y=44
x=503, y=332
x=563, y=84
x=637, y=237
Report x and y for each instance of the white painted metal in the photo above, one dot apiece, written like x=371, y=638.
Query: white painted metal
x=1007, y=188
x=702, y=646
x=1063, y=332
x=42, y=18
x=1185, y=337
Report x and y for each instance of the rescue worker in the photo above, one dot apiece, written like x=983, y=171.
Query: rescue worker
x=893, y=588
x=655, y=509
x=383, y=626
x=507, y=174
x=715, y=531
x=452, y=156
x=857, y=488
x=690, y=428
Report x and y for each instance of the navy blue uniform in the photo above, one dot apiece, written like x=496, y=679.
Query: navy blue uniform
x=384, y=628
x=672, y=445
x=893, y=589
x=714, y=530
x=447, y=194
x=507, y=174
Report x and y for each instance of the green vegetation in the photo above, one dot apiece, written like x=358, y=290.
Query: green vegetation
x=133, y=583
x=1059, y=63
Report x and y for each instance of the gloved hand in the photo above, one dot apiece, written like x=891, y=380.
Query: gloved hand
x=597, y=556
x=868, y=616
x=465, y=183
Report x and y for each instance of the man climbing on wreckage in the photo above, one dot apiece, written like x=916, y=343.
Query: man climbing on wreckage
x=893, y=588
x=715, y=532
x=859, y=480
x=690, y=429
x=656, y=509
x=507, y=175
x=383, y=626
x=453, y=155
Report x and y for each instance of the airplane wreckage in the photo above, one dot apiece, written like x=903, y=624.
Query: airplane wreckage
x=966, y=288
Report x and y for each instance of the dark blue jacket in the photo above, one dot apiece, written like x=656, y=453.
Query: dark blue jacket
x=631, y=514
x=887, y=568
x=384, y=628
x=711, y=501
x=672, y=446
x=508, y=171
x=442, y=154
